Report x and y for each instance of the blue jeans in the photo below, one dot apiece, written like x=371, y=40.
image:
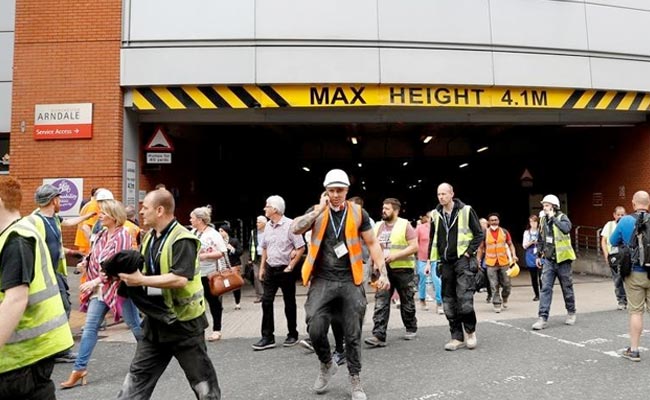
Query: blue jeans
x=97, y=310
x=563, y=272
x=422, y=281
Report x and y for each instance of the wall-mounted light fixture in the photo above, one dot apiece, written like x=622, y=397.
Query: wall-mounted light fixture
x=427, y=139
x=354, y=140
x=482, y=149
x=463, y=165
x=405, y=163
x=306, y=169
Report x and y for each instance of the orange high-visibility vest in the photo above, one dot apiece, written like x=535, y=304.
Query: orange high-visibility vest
x=352, y=241
x=496, y=250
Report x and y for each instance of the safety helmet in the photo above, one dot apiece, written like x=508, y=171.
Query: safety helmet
x=513, y=271
x=336, y=178
x=551, y=199
x=103, y=194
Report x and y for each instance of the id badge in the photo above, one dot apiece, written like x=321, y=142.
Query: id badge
x=340, y=250
x=154, y=291
x=549, y=239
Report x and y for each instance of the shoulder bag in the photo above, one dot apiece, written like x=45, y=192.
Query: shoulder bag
x=225, y=280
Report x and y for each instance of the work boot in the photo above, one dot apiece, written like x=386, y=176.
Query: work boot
x=357, y=390
x=540, y=324
x=374, y=341
x=454, y=345
x=326, y=373
x=570, y=319
x=471, y=340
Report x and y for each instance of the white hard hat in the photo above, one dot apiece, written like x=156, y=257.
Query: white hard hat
x=103, y=194
x=336, y=178
x=551, y=199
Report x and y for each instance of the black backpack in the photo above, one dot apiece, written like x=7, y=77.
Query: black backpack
x=640, y=245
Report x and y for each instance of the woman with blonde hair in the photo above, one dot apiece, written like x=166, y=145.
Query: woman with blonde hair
x=99, y=292
x=213, y=248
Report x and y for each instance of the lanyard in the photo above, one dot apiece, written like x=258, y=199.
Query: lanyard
x=54, y=231
x=337, y=231
x=152, y=259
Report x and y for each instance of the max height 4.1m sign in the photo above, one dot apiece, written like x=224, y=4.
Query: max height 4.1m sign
x=63, y=121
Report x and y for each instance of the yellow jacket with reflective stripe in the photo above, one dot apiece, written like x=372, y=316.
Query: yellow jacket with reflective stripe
x=37, y=221
x=43, y=329
x=352, y=240
x=398, y=243
x=563, y=249
x=464, y=237
x=186, y=302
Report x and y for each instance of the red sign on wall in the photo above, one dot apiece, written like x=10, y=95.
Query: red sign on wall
x=63, y=121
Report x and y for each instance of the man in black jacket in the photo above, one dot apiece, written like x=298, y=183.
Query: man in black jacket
x=457, y=235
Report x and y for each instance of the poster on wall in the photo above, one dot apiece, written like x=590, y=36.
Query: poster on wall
x=71, y=194
x=131, y=199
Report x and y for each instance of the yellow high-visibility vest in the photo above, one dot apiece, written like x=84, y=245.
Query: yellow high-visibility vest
x=186, y=302
x=43, y=330
x=398, y=242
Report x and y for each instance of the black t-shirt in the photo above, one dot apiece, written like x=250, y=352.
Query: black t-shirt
x=17, y=261
x=183, y=264
x=328, y=266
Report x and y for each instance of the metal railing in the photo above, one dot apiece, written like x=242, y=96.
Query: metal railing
x=586, y=240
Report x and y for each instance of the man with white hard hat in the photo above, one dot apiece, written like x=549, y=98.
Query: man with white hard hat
x=333, y=270
x=555, y=255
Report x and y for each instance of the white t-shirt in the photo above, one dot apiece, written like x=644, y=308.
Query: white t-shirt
x=211, y=240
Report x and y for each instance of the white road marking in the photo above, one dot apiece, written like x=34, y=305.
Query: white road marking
x=559, y=340
x=439, y=395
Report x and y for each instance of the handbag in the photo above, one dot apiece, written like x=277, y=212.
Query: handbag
x=225, y=280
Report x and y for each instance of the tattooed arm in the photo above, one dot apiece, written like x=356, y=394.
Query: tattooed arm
x=302, y=224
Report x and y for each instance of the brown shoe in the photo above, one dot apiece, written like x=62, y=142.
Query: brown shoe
x=75, y=377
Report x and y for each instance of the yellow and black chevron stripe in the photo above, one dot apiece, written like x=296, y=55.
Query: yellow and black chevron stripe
x=281, y=96
x=608, y=100
x=206, y=97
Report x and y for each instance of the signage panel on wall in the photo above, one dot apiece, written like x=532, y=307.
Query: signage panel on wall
x=63, y=121
x=131, y=199
x=71, y=194
x=159, y=158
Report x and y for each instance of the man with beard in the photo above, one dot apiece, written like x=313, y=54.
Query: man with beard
x=398, y=241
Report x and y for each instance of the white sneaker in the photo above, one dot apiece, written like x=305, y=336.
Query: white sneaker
x=440, y=309
x=497, y=309
x=540, y=324
x=326, y=373
x=570, y=319
x=471, y=340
